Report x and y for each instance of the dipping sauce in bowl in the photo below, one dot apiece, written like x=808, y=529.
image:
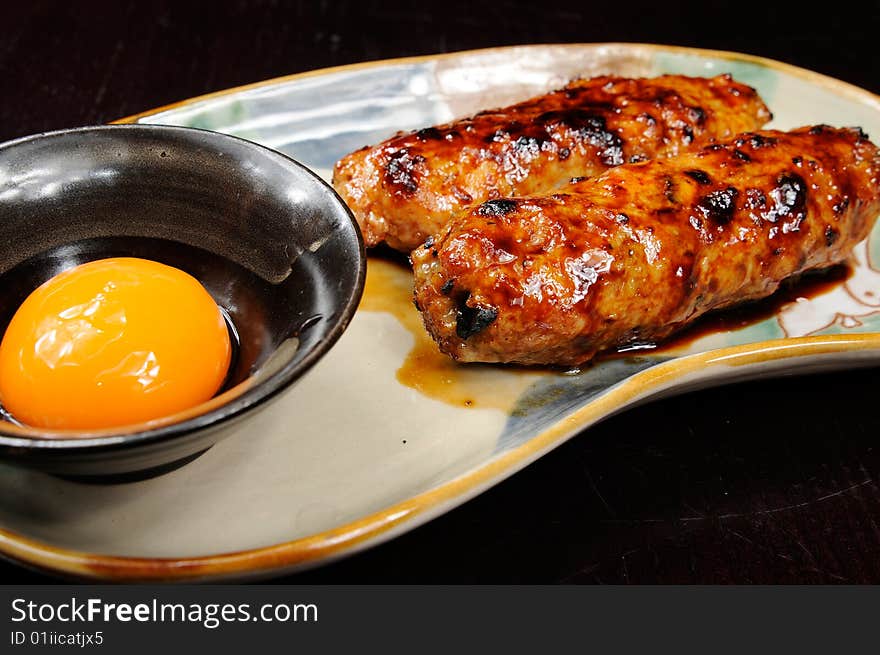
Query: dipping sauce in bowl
x=277, y=265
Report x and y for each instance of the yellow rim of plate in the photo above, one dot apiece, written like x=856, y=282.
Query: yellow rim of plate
x=363, y=532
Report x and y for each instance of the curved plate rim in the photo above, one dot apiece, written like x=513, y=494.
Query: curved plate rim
x=362, y=533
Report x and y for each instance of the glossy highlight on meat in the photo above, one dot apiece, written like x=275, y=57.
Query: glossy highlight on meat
x=408, y=187
x=645, y=249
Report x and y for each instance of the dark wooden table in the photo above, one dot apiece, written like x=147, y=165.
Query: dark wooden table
x=765, y=482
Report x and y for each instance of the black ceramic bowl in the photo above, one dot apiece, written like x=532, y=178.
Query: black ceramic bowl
x=272, y=243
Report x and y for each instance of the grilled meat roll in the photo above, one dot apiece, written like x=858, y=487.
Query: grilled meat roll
x=411, y=185
x=644, y=249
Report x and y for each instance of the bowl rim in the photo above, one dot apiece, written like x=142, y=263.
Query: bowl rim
x=166, y=428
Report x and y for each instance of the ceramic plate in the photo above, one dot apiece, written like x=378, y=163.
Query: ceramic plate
x=385, y=433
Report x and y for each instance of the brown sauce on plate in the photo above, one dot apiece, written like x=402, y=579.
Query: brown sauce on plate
x=426, y=369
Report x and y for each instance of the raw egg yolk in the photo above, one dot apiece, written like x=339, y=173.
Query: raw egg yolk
x=110, y=343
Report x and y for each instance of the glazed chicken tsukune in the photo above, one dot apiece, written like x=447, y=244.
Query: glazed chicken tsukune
x=407, y=188
x=644, y=249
